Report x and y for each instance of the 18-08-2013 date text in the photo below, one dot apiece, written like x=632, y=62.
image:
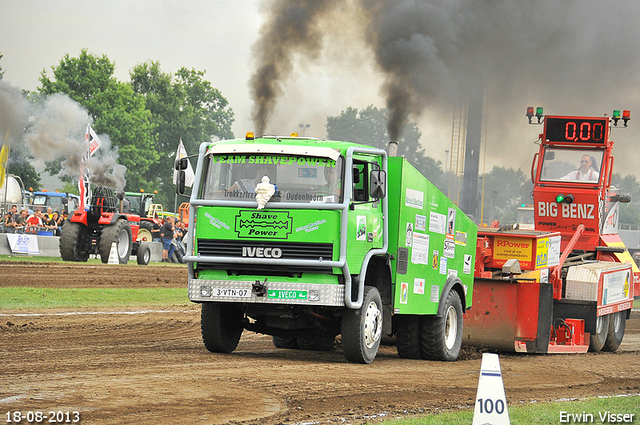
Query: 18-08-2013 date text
x=49, y=417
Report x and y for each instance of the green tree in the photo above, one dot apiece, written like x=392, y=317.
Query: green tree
x=369, y=127
x=183, y=107
x=628, y=185
x=505, y=189
x=20, y=164
x=115, y=108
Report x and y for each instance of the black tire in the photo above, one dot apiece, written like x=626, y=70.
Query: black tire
x=599, y=337
x=317, y=342
x=617, y=326
x=144, y=232
x=74, y=242
x=221, y=325
x=284, y=342
x=120, y=233
x=362, y=328
x=441, y=337
x=408, y=336
x=144, y=254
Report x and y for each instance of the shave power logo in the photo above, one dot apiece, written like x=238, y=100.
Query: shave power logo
x=268, y=225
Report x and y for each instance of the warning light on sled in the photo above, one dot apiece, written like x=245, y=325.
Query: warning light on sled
x=539, y=113
x=560, y=198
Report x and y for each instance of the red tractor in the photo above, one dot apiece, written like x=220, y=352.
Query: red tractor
x=94, y=229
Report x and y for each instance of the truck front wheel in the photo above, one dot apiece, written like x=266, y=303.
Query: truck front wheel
x=617, y=325
x=221, y=325
x=441, y=337
x=362, y=328
x=599, y=337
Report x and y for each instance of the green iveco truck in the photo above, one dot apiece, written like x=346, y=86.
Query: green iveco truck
x=304, y=239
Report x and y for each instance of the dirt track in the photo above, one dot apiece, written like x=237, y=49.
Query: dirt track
x=150, y=367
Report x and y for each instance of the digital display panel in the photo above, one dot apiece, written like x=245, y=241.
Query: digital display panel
x=575, y=129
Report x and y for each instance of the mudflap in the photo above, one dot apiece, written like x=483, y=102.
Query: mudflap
x=510, y=315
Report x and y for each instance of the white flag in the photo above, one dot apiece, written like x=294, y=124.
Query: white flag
x=190, y=176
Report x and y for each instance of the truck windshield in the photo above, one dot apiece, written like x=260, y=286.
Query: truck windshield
x=303, y=179
x=575, y=165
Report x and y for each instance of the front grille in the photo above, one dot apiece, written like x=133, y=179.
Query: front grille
x=290, y=250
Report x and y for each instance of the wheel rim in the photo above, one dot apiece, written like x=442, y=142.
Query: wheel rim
x=147, y=256
x=617, y=322
x=372, y=324
x=144, y=235
x=451, y=328
x=123, y=244
x=599, y=325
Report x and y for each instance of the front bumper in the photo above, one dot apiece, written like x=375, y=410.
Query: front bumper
x=255, y=292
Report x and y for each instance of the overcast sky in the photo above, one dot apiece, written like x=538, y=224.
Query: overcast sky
x=591, y=69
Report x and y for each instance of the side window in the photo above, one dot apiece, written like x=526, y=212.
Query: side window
x=359, y=184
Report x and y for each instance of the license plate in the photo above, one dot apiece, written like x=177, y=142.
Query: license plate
x=282, y=294
x=231, y=292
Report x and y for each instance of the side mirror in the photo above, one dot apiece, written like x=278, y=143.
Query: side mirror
x=181, y=164
x=181, y=181
x=377, y=185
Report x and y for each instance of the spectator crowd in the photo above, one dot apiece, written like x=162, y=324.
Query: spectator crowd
x=34, y=222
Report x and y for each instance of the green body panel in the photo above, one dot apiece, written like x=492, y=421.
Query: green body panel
x=439, y=238
x=327, y=279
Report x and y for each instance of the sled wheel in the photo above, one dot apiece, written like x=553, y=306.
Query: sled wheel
x=441, y=337
x=408, y=336
x=617, y=325
x=599, y=337
x=221, y=325
x=362, y=328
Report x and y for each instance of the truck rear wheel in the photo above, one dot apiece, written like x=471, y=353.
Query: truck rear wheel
x=317, y=342
x=74, y=242
x=441, y=337
x=221, y=325
x=120, y=233
x=362, y=328
x=284, y=342
x=408, y=336
x=599, y=337
x=617, y=325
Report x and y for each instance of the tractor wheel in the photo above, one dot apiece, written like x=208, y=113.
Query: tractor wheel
x=144, y=232
x=362, y=328
x=120, y=233
x=441, y=337
x=617, y=325
x=408, y=336
x=284, y=342
x=74, y=242
x=317, y=342
x=597, y=340
x=144, y=254
x=221, y=325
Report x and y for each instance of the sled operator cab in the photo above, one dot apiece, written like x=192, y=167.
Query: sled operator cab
x=572, y=174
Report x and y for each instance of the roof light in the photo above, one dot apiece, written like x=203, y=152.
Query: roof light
x=250, y=135
x=294, y=134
